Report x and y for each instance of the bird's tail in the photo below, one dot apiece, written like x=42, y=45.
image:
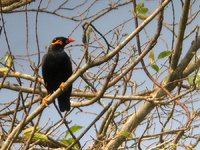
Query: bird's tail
x=64, y=101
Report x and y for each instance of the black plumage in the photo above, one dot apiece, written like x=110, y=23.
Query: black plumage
x=57, y=68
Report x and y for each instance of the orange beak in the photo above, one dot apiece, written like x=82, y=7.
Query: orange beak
x=69, y=40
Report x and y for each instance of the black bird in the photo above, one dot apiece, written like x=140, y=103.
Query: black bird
x=56, y=69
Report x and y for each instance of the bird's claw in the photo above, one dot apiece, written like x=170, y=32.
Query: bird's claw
x=45, y=100
x=62, y=86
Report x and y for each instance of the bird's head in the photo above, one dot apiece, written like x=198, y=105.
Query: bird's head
x=61, y=42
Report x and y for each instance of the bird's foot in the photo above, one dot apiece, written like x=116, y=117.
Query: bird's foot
x=62, y=86
x=45, y=100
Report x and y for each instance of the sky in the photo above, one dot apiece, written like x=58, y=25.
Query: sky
x=50, y=26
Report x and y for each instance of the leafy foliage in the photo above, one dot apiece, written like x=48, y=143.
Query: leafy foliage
x=152, y=57
x=155, y=67
x=141, y=9
x=164, y=54
x=195, y=79
x=8, y=62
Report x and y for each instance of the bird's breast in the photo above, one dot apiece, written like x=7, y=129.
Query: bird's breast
x=55, y=60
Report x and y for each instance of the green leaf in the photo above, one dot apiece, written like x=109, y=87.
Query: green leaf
x=69, y=142
x=155, y=67
x=139, y=6
x=144, y=10
x=141, y=9
x=195, y=79
x=127, y=134
x=37, y=135
x=74, y=129
x=9, y=63
x=164, y=54
x=152, y=57
x=9, y=60
x=28, y=131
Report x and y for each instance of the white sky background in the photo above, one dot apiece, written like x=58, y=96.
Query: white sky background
x=50, y=26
